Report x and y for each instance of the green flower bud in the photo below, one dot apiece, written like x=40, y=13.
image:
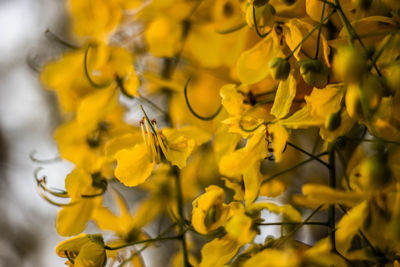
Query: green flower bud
x=392, y=77
x=314, y=72
x=349, y=64
x=333, y=121
x=372, y=88
x=280, y=68
x=374, y=174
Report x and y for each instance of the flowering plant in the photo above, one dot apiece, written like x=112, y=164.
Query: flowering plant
x=231, y=94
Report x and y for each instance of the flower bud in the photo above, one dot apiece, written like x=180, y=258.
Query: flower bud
x=333, y=121
x=372, y=88
x=280, y=68
x=349, y=64
x=314, y=72
x=374, y=174
x=392, y=77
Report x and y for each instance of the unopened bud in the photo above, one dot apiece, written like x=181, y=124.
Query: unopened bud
x=374, y=174
x=392, y=77
x=349, y=64
x=371, y=88
x=314, y=72
x=280, y=68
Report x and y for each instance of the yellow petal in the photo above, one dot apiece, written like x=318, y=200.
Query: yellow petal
x=286, y=210
x=232, y=100
x=279, y=137
x=71, y=220
x=218, y=252
x=273, y=188
x=253, y=64
x=323, y=102
x=349, y=225
x=95, y=106
x=122, y=142
x=134, y=165
x=324, y=194
x=163, y=36
x=274, y=258
x=284, y=97
x=95, y=17
x=252, y=181
x=239, y=227
x=302, y=119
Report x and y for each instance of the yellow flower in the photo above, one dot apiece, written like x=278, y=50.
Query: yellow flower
x=56, y=76
x=246, y=161
x=83, y=251
x=83, y=188
x=163, y=36
x=135, y=164
x=95, y=18
x=209, y=210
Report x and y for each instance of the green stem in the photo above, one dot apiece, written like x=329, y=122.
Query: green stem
x=294, y=223
x=343, y=162
x=143, y=241
x=310, y=33
x=256, y=27
x=85, y=65
x=51, y=36
x=332, y=184
x=233, y=29
x=300, y=225
x=308, y=154
x=179, y=200
x=194, y=112
x=382, y=48
x=292, y=168
x=371, y=140
x=353, y=34
x=320, y=29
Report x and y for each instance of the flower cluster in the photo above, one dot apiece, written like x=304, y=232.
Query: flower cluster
x=228, y=94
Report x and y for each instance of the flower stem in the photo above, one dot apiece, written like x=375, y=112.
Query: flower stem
x=332, y=184
x=179, y=200
x=293, y=167
x=143, y=241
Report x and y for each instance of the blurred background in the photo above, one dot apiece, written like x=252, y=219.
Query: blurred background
x=28, y=116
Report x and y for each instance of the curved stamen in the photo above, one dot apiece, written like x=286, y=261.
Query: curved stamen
x=233, y=29
x=33, y=157
x=41, y=182
x=85, y=64
x=195, y=113
x=256, y=27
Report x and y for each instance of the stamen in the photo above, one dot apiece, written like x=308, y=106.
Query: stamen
x=151, y=144
x=159, y=140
